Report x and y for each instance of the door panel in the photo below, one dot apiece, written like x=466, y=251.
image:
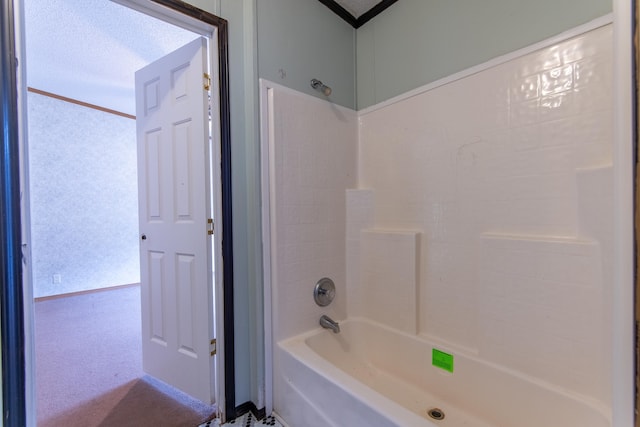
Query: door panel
x=175, y=203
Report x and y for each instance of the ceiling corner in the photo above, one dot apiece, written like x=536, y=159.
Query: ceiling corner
x=357, y=12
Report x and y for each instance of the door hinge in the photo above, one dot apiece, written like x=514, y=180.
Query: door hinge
x=210, y=226
x=207, y=82
x=214, y=348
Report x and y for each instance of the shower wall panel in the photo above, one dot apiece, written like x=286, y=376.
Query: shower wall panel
x=498, y=170
x=313, y=161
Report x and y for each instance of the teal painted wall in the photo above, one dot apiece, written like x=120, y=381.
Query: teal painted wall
x=299, y=40
x=416, y=42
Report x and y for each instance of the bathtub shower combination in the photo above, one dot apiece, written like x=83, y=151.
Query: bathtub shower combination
x=466, y=229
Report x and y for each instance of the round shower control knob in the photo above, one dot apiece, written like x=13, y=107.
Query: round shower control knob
x=324, y=292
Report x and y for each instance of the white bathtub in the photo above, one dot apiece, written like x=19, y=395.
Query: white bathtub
x=369, y=375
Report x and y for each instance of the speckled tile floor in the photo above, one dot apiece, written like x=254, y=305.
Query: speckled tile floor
x=247, y=420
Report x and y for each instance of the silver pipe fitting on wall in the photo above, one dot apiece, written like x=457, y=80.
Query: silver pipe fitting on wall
x=320, y=87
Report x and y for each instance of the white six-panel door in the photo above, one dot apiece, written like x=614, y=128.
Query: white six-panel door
x=174, y=206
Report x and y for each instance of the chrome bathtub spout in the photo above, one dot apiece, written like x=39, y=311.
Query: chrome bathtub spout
x=327, y=323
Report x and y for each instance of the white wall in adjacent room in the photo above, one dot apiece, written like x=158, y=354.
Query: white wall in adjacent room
x=84, y=208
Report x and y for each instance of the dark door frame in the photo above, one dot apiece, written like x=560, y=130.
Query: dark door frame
x=12, y=332
x=11, y=298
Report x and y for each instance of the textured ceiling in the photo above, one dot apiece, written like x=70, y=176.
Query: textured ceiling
x=90, y=49
x=357, y=7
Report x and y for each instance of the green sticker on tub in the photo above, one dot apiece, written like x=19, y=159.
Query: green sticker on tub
x=442, y=360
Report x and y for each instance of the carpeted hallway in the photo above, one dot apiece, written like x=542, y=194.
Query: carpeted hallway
x=89, y=366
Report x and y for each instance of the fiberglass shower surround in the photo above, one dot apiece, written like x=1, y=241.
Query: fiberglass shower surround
x=489, y=242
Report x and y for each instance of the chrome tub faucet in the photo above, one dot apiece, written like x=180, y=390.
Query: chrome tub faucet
x=327, y=323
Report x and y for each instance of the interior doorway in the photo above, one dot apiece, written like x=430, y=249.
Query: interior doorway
x=215, y=28
x=83, y=194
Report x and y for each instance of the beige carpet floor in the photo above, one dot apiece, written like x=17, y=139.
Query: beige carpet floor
x=89, y=367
